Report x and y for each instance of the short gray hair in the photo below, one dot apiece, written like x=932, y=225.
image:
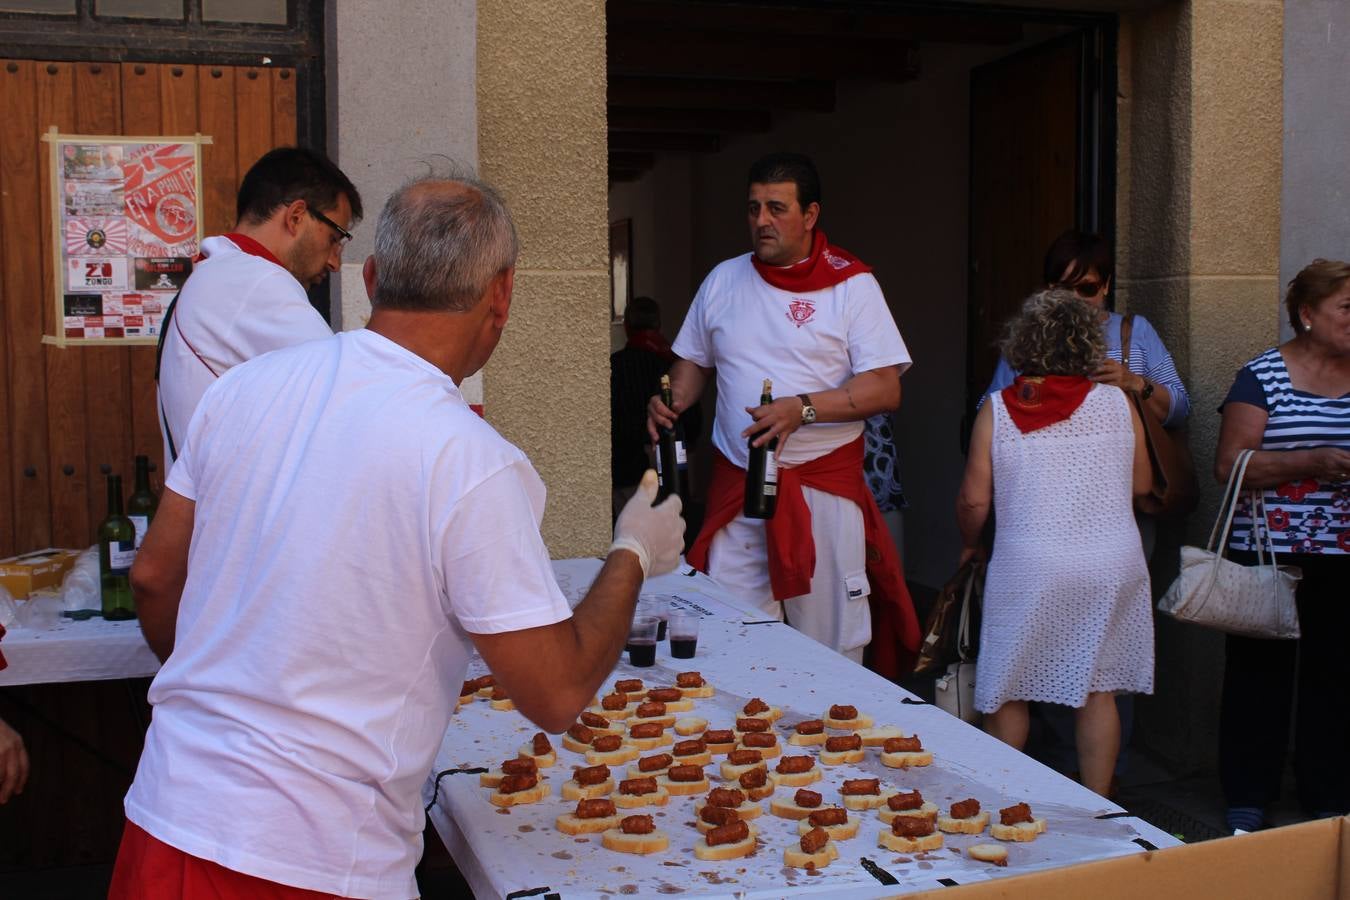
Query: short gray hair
x=439, y=250
x=1054, y=334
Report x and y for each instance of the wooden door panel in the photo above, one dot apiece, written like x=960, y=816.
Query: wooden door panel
x=87, y=407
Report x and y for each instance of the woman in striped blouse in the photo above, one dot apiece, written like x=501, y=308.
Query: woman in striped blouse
x=1292, y=405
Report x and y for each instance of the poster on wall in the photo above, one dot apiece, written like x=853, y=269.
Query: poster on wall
x=125, y=229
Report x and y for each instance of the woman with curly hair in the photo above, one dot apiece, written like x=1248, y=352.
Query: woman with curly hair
x=1067, y=609
x=1291, y=404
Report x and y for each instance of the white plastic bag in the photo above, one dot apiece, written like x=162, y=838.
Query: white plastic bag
x=80, y=589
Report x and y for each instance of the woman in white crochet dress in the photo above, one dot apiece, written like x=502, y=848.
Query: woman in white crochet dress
x=1067, y=611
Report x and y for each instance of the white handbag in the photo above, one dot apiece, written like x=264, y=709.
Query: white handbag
x=1253, y=601
x=954, y=691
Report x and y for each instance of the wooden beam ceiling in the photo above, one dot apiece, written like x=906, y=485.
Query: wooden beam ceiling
x=722, y=93
x=701, y=54
x=642, y=118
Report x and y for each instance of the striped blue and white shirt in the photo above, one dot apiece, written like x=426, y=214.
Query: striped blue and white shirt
x=1307, y=515
x=1148, y=357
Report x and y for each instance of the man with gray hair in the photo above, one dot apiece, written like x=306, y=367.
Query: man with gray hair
x=339, y=535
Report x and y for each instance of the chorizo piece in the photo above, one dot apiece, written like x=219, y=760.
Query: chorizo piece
x=524, y=766
x=689, y=748
x=614, y=702
x=719, y=737
x=792, y=765
x=689, y=680
x=744, y=757
x=844, y=742
x=811, y=726
x=727, y=834
x=759, y=739
x=755, y=705
x=514, y=783
x=637, y=786
x=655, y=763
x=595, y=809
x=650, y=710
x=728, y=797
x=807, y=799
x=637, y=825
x=902, y=802
x=607, y=743
x=754, y=778
x=540, y=745
x=965, y=809
x=839, y=711
x=594, y=720
x=861, y=787
x=664, y=695
x=912, y=826
x=581, y=734
x=814, y=840
x=909, y=744
x=752, y=724
x=588, y=775
x=646, y=730
x=628, y=686
x=718, y=815
x=1019, y=812
x=833, y=815
x=685, y=773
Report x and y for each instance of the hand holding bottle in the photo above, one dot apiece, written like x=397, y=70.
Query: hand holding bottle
x=655, y=534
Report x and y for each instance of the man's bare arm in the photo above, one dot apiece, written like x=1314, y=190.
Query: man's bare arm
x=160, y=570
x=861, y=397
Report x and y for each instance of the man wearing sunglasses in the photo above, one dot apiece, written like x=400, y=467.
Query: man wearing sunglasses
x=246, y=295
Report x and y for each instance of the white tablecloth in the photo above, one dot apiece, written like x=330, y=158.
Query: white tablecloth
x=92, y=650
x=501, y=851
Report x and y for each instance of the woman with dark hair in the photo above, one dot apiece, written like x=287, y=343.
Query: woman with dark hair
x=1083, y=263
x=1068, y=615
x=1291, y=404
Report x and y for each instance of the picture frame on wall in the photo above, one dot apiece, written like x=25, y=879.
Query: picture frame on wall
x=620, y=268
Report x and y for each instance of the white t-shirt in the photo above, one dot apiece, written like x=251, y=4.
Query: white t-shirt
x=354, y=522
x=749, y=330
x=233, y=307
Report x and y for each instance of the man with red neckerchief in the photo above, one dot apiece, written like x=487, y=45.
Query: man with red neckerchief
x=811, y=317
x=246, y=294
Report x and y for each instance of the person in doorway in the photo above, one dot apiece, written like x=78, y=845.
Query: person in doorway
x=634, y=375
x=812, y=318
x=339, y=535
x=246, y=294
x=1067, y=614
x=1291, y=404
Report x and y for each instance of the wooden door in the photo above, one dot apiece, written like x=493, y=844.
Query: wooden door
x=73, y=415
x=1025, y=140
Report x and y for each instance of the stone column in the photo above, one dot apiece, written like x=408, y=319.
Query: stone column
x=542, y=142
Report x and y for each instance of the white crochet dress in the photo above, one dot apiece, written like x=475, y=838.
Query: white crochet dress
x=1067, y=609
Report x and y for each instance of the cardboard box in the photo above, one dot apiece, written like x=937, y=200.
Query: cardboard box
x=1310, y=861
x=28, y=572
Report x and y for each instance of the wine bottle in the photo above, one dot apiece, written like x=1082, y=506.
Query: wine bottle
x=672, y=463
x=142, y=503
x=116, y=552
x=761, y=474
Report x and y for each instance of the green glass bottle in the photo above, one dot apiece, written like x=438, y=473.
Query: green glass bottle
x=761, y=473
x=142, y=503
x=116, y=552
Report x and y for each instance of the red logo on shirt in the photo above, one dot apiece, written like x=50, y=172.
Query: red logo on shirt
x=800, y=312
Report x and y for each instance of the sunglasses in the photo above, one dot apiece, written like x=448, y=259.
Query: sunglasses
x=344, y=236
x=1085, y=289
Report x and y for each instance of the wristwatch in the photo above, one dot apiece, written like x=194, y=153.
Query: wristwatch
x=1147, y=391
x=808, y=411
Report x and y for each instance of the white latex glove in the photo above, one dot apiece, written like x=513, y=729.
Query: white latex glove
x=654, y=533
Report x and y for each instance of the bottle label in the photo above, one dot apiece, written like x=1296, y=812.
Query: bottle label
x=681, y=458
x=142, y=524
x=659, y=473
x=121, y=554
x=770, y=469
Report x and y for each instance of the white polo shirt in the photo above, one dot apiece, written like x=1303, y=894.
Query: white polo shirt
x=805, y=342
x=355, y=521
x=233, y=307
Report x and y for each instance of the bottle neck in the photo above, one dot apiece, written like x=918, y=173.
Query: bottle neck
x=142, y=474
x=114, y=495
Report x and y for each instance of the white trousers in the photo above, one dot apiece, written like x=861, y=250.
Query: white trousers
x=836, y=611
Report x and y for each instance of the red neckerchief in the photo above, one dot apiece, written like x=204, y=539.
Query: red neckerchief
x=252, y=247
x=825, y=267
x=652, y=341
x=1038, y=401
x=792, y=552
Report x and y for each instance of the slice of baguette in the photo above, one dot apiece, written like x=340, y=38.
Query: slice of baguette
x=635, y=772
x=862, y=721
x=485, y=692
x=725, y=851
x=659, y=797
x=973, y=825
x=767, y=752
x=927, y=811
x=546, y=761
x=533, y=795
x=683, y=705
x=615, y=715
x=863, y=801
x=576, y=746
x=663, y=721
x=793, y=857
x=798, y=779
x=808, y=740
x=683, y=788
x=690, y=725
x=787, y=808
x=503, y=705
x=568, y=823
x=1021, y=832
x=844, y=757
x=721, y=749
x=990, y=853
x=618, y=757
x=892, y=841
x=773, y=714
x=573, y=791
x=699, y=693
x=759, y=793
x=836, y=832
x=494, y=778
x=731, y=773
x=644, y=744
x=875, y=737
x=641, y=844
x=904, y=760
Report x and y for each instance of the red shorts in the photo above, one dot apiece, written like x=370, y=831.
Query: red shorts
x=149, y=869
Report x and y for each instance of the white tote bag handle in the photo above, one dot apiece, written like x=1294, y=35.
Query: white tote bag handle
x=1230, y=501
